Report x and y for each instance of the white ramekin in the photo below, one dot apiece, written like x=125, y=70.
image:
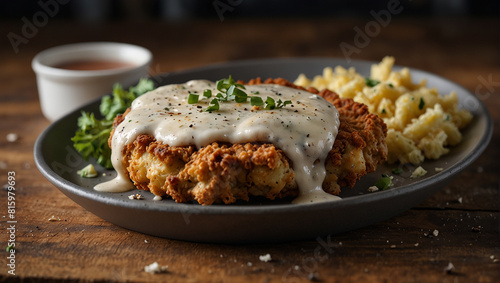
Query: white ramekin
x=61, y=91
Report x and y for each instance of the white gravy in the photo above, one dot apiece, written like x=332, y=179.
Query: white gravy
x=305, y=130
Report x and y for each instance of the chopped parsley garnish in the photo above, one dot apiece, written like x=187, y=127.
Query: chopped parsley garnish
x=87, y=172
x=213, y=106
x=193, y=98
x=384, y=183
x=207, y=93
x=91, y=137
x=230, y=90
x=371, y=82
x=421, y=104
x=9, y=248
x=397, y=171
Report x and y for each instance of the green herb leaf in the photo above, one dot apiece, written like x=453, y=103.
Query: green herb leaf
x=193, y=98
x=207, y=93
x=370, y=82
x=270, y=103
x=281, y=104
x=256, y=101
x=240, y=99
x=213, y=106
x=220, y=85
x=142, y=87
x=122, y=99
x=224, y=84
x=384, y=183
x=397, y=171
x=229, y=93
x=239, y=93
x=229, y=90
x=91, y=137
x=421, y=104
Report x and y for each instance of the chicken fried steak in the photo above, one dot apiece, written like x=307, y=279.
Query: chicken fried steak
x=226, y=172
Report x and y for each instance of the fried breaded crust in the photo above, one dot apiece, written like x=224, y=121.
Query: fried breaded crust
x=222, y=172
x=360, y=144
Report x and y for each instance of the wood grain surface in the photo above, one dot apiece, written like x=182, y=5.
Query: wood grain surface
x=79, y=246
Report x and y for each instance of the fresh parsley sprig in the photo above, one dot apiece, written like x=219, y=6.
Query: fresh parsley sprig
x=230, y=90
x=91, y=137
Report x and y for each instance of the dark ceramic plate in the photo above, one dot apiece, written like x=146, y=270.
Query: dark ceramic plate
x=259, y=220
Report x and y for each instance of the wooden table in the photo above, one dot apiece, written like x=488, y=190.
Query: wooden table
x=81, y=246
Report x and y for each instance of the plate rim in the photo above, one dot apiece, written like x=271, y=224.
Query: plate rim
x=69, y=187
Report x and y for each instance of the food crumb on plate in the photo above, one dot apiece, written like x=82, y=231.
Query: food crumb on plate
x=265, y=258
x=53, y=218
x=449, y=268
x=12, y=137
x=155, y=268
x=419, y=172
x=372, y=189
x=87, y=171
x=476, y=229
x=435, y=233
x=157, y=198
x=136, y=196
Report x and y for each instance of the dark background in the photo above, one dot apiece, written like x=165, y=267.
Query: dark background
x=182, y=10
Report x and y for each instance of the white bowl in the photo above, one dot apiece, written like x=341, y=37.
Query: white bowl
x=63, y=90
